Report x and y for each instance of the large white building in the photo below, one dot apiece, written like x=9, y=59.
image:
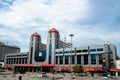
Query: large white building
x=62, y=56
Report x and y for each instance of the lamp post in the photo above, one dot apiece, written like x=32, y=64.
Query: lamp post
x=71, y=35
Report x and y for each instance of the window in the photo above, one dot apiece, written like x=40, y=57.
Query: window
x=61, y=59
x=111, y=59
x=60, y=52
x=100, y=58
x=78, y=59
x=100, y=49
x=85, y=50
x=72, y=51
x=66, y=52
x=66, y=60
x=73, y=61
x=50, y=35
x=79, y=51
x=56, y=60
x=92, y=50
x=85, y=59
x=93, y=59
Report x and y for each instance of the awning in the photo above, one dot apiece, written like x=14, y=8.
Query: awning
x=25, y=65
x=93, y=69
x=64, y=68
x=113, y=69
x=10, y=67
x=47, y=65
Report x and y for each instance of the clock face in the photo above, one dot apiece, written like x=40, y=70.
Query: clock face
x=40, y=56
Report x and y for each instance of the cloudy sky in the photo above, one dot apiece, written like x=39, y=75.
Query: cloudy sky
x=93, y=22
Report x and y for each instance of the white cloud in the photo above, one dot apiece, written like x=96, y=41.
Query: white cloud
x=68, y=16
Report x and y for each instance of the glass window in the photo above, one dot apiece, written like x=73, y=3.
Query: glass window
x=93, y=59
x=85, y=50
x=56, y=60
x=61, y=59
x=85, y=59
x=60, y=52
x=100, y=58
x=66, y=52
x=72, y=51
x=50, y=35
x=100, y=49
x=66, y=60
x=78, y=59
x=73, y=59
x=92, y=50
x=78, y=51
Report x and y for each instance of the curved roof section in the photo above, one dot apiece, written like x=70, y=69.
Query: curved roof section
x=53, y=31
x=35, y=34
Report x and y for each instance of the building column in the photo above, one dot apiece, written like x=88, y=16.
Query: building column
x=82, y=60
x=63, y=60
x=89, y=60
x=58, y=63
x=15, y=60
x=21, y=60
x=18, y=61
x=12, y=61
x=97, y=60
x=75, y=59
x=69, y=60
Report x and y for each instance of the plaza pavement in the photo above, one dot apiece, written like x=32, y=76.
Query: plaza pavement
x=37, y=76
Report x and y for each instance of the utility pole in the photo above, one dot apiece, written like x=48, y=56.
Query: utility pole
x=71, y=35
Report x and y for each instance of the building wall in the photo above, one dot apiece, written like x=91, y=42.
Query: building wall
x=57, y=53
x=5, y=49
x=118, y=64
x=16, y=58
x=90, y=56
x=37, y=55
x=64, y=45
x=52, y=44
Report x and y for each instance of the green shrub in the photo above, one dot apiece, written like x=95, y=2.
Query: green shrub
x=2, y=70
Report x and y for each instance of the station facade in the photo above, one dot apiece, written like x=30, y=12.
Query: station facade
x=60, y=55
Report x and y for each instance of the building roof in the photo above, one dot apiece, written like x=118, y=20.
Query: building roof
x=53, y=31
x=35, y=34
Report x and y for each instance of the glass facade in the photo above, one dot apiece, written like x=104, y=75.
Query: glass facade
x=78, y=59
x=66, y=59
x=56, y=62
x=100, y=49
x=93, y=59
x=92, y=50
x=73, y=59
x=50, y=53
x=40, y=56
x=61, y=59
x=100, y=58
x=85, y=50
x=66, y=52
x=78, y=51
x=85, y=57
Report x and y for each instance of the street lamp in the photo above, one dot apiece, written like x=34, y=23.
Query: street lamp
x=71, y=35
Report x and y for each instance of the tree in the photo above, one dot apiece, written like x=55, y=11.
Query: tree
x=78, y=68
